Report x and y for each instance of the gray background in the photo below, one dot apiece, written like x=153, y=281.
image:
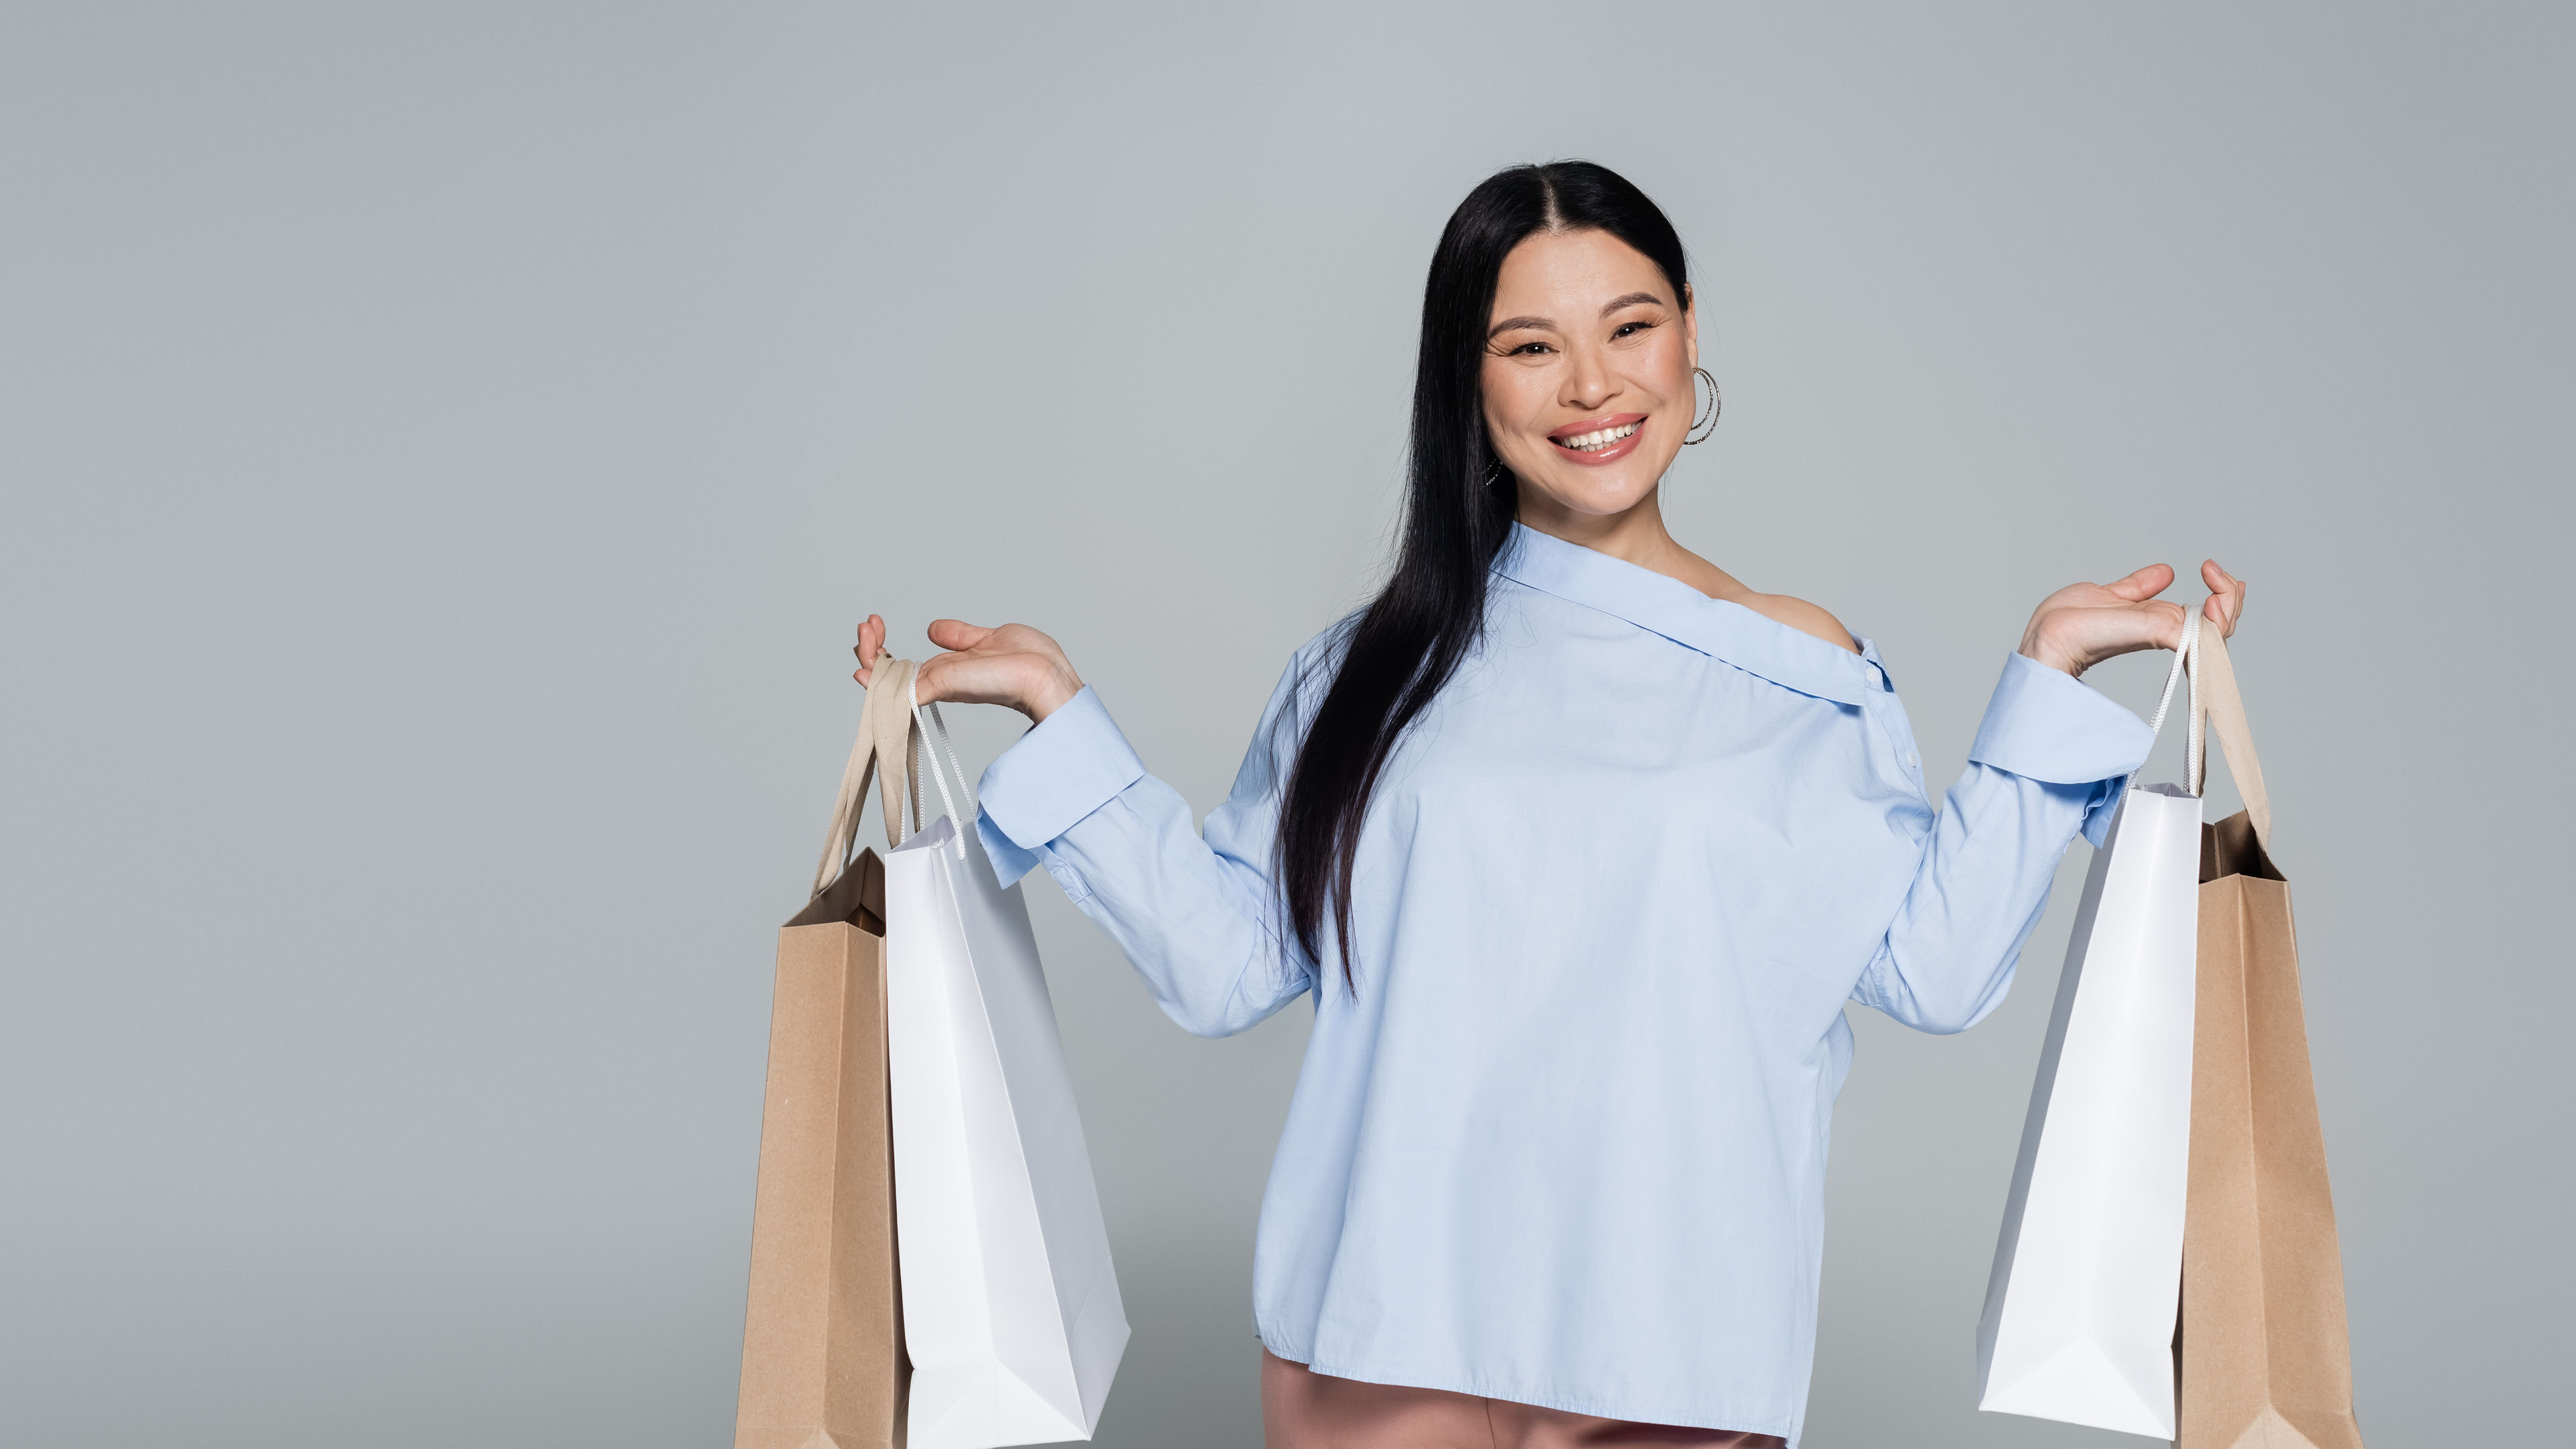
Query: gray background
x=447, y=447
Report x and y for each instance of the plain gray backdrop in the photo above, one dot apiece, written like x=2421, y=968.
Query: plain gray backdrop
x=447, y=449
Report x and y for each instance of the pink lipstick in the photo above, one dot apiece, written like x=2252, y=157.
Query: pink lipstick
x=1595, y=441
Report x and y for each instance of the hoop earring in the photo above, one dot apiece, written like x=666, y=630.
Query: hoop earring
x=1701, y=427
x=1494, y=473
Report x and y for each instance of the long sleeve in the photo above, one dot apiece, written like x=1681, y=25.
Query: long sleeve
x=1195, y=912
x=2048, y=762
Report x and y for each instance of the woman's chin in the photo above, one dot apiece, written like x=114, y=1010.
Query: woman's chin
x=1598, y=492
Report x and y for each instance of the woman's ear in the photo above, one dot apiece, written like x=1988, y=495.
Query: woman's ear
x=1690, y=323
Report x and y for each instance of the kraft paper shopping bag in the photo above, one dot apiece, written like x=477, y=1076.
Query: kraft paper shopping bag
x=2266, y=1356
x=2079, y=1317
x=1010, y=1304
x=822, y=1347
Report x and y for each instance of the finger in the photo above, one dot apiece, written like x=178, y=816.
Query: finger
x=954, y=634
x=872, y=633
x=933, y=678
x=2146, y=583
x=2169, y=620
x=2226, y=597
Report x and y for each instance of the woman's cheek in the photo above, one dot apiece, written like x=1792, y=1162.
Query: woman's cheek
x=1672, y=362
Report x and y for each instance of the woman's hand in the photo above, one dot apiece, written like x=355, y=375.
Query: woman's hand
x=2081, y=625
x=1013, y=665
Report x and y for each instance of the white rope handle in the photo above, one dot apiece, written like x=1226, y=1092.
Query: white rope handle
x=912, y=696
x=2195, y=759
x=2190, y=636
x=941, y=726
x=2186, y=653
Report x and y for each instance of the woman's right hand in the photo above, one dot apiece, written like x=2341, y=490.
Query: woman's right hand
x=1012, y=665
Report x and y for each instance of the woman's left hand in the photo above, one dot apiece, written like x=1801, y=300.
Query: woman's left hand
x=2081, y=625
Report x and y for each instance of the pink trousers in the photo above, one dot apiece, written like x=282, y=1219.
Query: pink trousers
x=1302, y=1409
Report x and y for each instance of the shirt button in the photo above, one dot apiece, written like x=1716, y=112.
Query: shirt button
x=1912, y=760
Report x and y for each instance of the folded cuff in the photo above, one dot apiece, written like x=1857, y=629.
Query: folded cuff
x=1009, y=861
x=1072, y=763
x=2045, y=724
x=2100, y=805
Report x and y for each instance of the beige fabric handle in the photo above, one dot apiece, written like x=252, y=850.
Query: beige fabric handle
x=2216, y=693
x=884, y=750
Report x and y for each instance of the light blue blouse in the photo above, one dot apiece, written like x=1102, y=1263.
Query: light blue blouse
x=1566, y=1143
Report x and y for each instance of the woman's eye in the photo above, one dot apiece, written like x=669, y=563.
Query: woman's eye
x=1529, y=349
x=1625, y=328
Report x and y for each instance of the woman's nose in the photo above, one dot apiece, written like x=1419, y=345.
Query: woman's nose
x=1589, y=382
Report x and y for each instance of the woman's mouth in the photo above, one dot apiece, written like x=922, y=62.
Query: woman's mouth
x=1599, y=440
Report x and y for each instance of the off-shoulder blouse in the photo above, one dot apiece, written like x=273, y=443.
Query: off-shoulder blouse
x=1564, y=1142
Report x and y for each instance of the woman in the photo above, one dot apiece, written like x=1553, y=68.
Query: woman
x=1578, y=845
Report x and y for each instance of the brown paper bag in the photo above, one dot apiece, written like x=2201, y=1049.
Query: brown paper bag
x=822, y=1345
x=2266, y=1360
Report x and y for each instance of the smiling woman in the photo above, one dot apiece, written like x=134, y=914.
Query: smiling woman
x=1578, y=845
x=1629, y=369
x=1617, y=358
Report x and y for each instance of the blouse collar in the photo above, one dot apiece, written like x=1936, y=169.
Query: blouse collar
x=1751, y=642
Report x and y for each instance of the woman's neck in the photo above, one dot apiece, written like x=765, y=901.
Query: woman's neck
x=1635, y=536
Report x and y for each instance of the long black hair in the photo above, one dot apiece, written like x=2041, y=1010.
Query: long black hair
x=1395, y=655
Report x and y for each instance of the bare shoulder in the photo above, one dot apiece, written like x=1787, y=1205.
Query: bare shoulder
x=1802, y=616
x=1798, y=614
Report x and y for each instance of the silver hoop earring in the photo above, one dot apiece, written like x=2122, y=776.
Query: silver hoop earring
x=1494, y=473
x=1702, y=425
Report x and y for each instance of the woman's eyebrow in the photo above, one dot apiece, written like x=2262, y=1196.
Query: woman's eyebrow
x=1543, y=324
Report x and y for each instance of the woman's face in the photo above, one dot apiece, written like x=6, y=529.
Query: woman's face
x=1587, y=374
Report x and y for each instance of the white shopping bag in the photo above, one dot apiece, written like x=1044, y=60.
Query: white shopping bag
x=1010, y=1307
x=2080, y=1311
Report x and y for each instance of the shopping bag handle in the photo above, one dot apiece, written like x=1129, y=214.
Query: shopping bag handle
x=887, y=730
x=2182, y=671
x=961, y=823
x=2214, y=691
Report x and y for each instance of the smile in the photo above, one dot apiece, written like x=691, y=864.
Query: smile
x=1595, y=441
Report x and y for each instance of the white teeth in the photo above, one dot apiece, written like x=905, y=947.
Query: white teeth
x=1591, y=442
